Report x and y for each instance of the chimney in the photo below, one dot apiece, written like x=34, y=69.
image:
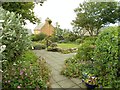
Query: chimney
x=48, y=21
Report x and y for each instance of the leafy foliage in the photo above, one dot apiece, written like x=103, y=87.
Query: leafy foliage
x=78, y=41
x=27, y=72
x=39, y=46
x=38, y=37
x=102, y=63
x=85, y=51
x=25, y=9
x=91, y=16
x=106, y=58
x=14, y=36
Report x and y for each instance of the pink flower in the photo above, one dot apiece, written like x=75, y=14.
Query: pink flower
x=21, y=72
x=18, y=87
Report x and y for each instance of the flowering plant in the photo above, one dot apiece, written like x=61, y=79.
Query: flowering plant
x=90, y=79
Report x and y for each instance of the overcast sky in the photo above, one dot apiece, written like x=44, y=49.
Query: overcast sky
x=61, y=11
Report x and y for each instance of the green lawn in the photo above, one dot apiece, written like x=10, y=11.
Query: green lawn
x=68, y=45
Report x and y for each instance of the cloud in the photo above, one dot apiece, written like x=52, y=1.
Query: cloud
x=61, y=11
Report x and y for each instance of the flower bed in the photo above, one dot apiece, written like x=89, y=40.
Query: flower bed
x=27, y=72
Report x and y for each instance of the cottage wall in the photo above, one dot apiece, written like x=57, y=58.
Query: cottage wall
x=47, y=29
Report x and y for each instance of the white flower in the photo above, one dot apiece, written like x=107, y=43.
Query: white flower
x=14, y=63
x=2, y=48
x=1, y=70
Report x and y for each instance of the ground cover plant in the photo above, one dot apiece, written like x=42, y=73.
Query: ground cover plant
x=28, y=71
x=102, y=63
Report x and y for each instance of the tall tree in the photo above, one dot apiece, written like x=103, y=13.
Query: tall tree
x=92, y=16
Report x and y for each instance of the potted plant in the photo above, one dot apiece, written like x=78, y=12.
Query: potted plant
x=90, y=81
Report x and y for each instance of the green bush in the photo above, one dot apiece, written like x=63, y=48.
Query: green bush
x=47, y=41
x=55, y=49
x=38, y=37
x=78, y=41
x=27, y=72
x=69, y=50
x=53, y=38
x=70, y=37
x=85, y=51
x=14, y=36
x=102, y=60
x=89, y=38
x=39, y=46
x=106, y=58
x=71, y=68
x=74, y=67
x=53, y=45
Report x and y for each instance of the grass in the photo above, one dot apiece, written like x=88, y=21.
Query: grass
x=68, y=45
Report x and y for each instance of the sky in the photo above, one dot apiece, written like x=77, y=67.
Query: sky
x=61, y=11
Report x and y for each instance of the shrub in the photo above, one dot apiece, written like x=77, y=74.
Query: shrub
x=55, y=49
x=78, y=41
x=89, y=38
x=47, y=41
x=72, y=67
x=85, y=51
x=70, y=37
x=38, y=37
x=53, y=45
x=39, y=46
x=65, y=51
x=69, y=50
x=106, y=58
x=14, y=36
x=27, y=72
x=53, y=38
x=76, y=68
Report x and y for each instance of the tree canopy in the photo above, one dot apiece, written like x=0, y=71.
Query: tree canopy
x=91, y=16
x=25, y=9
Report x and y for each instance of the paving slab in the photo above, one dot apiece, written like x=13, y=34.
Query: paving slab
x=59, y=78
x=55, y=72
x=52, y=80
x=76, y=80
x=55, y=62
x=55, y=85
x=82, y=85
x=66, y=83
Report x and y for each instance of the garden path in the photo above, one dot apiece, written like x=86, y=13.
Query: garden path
x=55, y=61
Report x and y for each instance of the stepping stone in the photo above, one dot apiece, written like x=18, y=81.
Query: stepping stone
x=52, y=81
x=55, y=85
x=58, y=78
x=55, y=72
x=76, y=80
x=66, y=83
